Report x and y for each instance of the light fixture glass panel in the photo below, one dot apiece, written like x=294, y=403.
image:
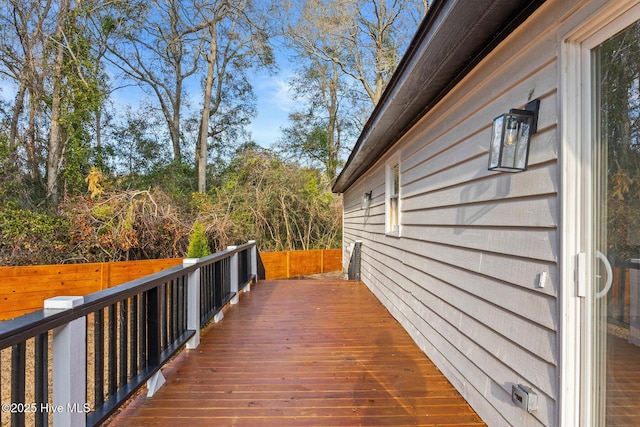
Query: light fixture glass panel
x=496, y=143
x=366, y=200
x=510, y=141
x=522, y=147
x=396, y=179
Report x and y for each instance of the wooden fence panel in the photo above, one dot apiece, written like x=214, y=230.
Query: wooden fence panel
x=305, y=262
x=276, y=264
x=122, y=272
x=332, y=260
x=24, y=289
x=287, y=264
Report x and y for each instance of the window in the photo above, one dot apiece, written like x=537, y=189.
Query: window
x=393, y=198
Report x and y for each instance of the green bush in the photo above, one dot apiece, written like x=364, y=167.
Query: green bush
x=29, y=237
x=198, y=244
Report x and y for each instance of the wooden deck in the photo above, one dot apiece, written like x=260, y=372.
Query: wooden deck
x=623, y=383
x=303, y=353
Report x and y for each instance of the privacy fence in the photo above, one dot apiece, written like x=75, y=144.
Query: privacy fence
x=23, y=289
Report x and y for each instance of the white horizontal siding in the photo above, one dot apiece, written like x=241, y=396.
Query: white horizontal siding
x=462, y=277
x=450, y=326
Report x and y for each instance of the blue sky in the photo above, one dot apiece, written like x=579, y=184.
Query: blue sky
x=274, y=103
x=274, y=100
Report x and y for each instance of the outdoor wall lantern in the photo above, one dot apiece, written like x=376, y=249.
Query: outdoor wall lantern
x=509, y=151
x=366, y=200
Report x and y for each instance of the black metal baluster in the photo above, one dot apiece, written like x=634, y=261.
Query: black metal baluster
x=123, y=325
x=113, y=358
x=211, y=294
x=18, y=371
x=217, y=283
x=142, y=362
x=41, y=373
x=154, y=326
x=185, y=302
x=213, y=285
x=242, y=267
x=168, y=317
x=227, y=278
x=133, y=335
x=163, y=318
x=174, y=310
x=98, y=357
x=178, y=305
x=182, y=305
x=203, y=295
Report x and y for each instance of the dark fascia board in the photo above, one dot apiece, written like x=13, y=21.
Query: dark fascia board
x=453, y=38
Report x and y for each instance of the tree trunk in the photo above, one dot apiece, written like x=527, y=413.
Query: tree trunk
x=206, y=110
x=100, y=157
x=175, y=128
x=17, y=111
x=55, y=142
x=333, y=128
x=31, y=141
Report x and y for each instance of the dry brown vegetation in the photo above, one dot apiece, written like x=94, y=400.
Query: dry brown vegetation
x=280, y=205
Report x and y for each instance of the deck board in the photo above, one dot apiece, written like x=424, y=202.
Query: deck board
x=303, y=353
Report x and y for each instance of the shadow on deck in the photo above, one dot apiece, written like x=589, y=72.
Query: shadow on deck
x=298, y=353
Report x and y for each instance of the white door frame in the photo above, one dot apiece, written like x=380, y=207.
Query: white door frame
x=576, y=198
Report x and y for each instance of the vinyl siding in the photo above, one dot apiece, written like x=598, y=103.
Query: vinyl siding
x=462, y=276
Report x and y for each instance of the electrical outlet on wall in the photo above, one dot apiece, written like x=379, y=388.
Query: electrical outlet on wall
x=524, y=397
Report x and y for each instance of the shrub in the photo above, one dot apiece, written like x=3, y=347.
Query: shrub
x=198, y=244
x=29, y=237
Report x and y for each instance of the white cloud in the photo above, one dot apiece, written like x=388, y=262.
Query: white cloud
x=275, y=102
x=8, y=90
x=275, y=91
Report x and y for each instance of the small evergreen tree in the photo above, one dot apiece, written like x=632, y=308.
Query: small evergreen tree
x=198, y=244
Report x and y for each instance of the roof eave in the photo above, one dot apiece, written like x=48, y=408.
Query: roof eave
x=453, y=38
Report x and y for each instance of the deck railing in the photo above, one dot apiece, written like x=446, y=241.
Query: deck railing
x=103, y=347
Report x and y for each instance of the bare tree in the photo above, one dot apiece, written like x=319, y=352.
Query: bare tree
x=22, y=53
x=34, y=57
x=218, y=13
x=54, y=155
x=160, y=52
x=353, y=47
x=46, y=54
x=169, y=45
x=363, y=37
x=317, y=134
x=238, y=40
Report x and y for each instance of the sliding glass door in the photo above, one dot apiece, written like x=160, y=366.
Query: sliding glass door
x=613, y=335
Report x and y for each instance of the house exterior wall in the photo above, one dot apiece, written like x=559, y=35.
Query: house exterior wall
x=463, y=274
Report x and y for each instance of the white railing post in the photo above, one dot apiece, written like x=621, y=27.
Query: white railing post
x=254, y=260
x=69, y=366
x=193, y=302
x=233, y=273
